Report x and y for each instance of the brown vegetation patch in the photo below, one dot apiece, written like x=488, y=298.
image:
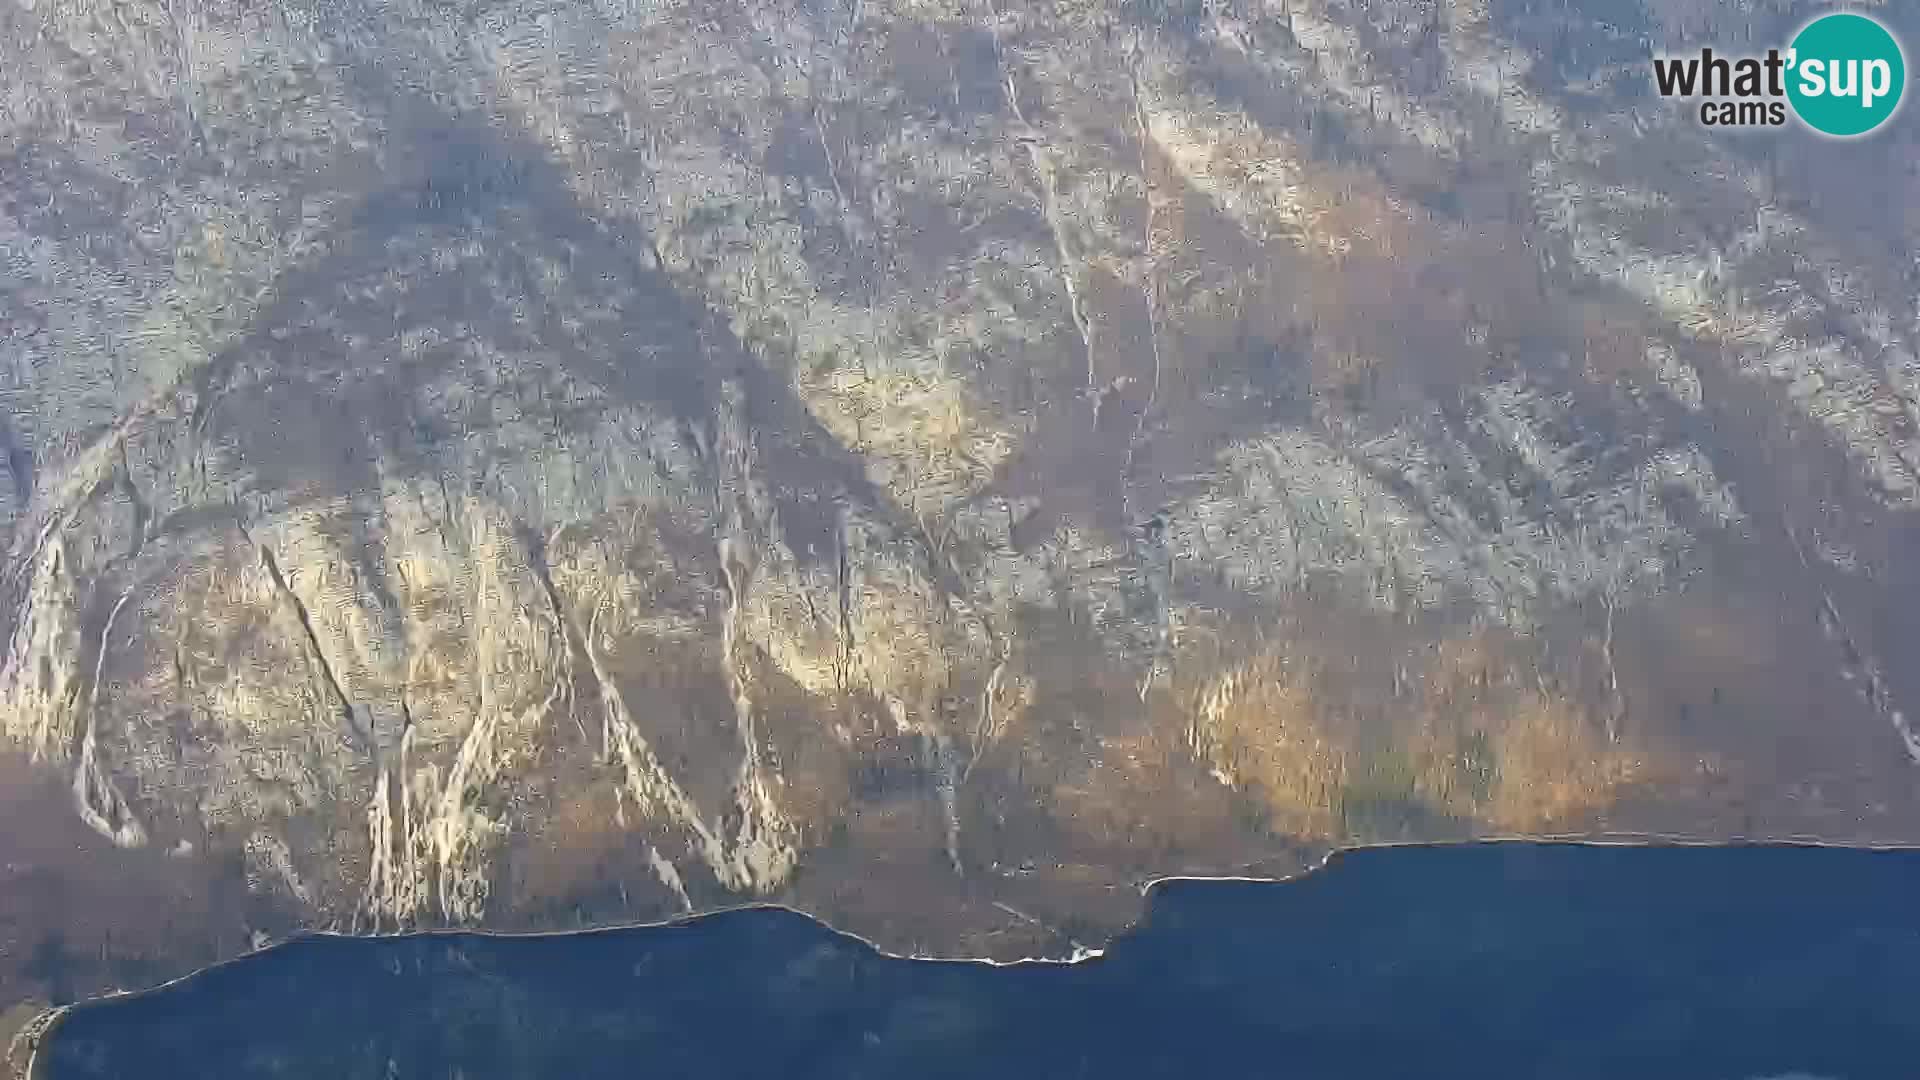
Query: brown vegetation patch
x=1470, y=742
x=584, y=860
x=79, y=917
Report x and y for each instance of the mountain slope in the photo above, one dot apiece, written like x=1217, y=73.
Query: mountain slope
x=532, y=464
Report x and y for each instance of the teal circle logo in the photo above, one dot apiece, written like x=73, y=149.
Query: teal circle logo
x=1846, y=74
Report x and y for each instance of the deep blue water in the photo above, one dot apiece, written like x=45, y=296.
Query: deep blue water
x=1507, y=960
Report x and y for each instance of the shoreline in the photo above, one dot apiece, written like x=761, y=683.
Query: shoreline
x=37, y=1029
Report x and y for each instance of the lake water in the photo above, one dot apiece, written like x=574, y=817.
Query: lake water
x=1503, y=960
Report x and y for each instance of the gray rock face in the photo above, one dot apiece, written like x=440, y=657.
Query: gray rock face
x=527, y=464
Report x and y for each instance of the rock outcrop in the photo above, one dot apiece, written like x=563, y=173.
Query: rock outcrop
x=527, y=464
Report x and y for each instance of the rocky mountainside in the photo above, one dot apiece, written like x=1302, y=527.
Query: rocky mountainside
x=935, y=464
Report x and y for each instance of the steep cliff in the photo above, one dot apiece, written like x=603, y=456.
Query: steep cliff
x=526, y=464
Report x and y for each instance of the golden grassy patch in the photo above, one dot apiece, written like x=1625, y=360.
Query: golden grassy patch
x=1262, y=728
x=1469, y=744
